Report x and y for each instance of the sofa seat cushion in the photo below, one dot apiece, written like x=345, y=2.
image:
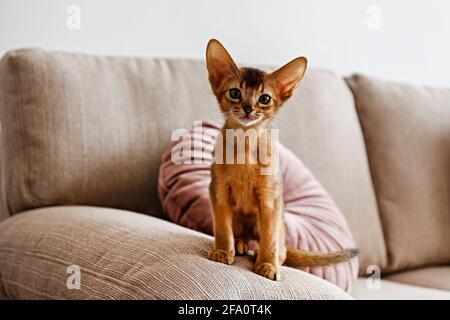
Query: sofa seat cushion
x=431, y=277
x=126, y=255
x=391, y=290
x=313, y=220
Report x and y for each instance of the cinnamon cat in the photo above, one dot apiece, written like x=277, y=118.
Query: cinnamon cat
x=247, y=205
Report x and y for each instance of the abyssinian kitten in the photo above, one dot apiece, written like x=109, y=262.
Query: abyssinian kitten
x=247, y=205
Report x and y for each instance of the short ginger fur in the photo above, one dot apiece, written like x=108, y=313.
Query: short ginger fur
x=247, y=205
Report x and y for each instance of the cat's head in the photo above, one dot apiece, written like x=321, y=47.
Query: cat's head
x=248, y=96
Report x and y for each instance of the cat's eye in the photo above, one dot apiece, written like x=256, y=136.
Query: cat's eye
x=264, y=99
x=235, y=94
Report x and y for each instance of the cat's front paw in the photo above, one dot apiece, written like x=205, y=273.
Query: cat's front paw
x=268, y=271
x=221, y=256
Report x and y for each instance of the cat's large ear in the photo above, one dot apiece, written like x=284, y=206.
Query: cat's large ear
x=219, y=63
x=288, y=77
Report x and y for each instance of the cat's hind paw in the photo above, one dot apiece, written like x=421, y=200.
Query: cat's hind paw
x=241, y=247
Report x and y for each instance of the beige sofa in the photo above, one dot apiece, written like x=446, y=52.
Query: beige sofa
x=81, y=139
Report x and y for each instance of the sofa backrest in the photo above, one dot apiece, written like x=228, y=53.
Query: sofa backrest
x=89, y=130
x=321, y=126
x=80, y=129
x=407, y=135
x=3, y=206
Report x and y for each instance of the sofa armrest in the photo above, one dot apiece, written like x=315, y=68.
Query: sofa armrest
x=125, y=255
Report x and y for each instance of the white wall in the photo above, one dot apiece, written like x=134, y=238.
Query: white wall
x=412, y=43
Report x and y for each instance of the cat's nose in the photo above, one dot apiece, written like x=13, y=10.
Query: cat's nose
x=248, y=109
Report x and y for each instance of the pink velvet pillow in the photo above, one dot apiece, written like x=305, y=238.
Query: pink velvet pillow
x=313, y=220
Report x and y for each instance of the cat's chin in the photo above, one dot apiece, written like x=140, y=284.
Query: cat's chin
x=246, y=122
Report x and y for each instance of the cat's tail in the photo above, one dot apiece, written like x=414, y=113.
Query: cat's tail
x=299, y=258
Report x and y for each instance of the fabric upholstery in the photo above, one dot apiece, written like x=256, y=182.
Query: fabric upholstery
x=407, y=134
x=319, y=124
x=126, y=255
x=391, y=290
x=313, y=221
x=4, y=213
x=431, y=277
x=81, y=129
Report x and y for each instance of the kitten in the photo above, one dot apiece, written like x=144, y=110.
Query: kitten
x=247, y=205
